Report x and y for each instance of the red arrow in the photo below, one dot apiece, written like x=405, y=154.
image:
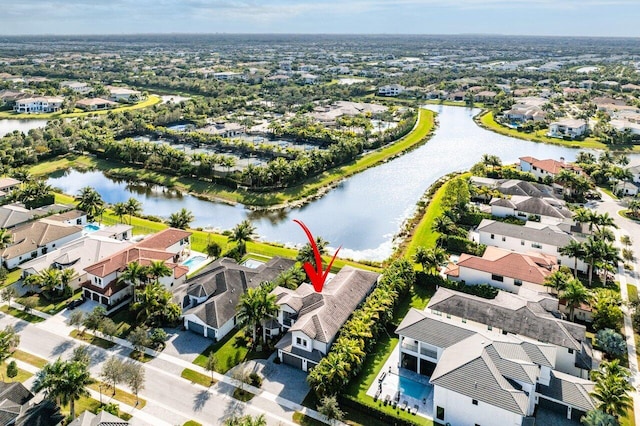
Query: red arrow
x=317, y=276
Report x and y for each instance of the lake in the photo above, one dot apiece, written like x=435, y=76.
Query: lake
x=363, y=213
x=8, y=126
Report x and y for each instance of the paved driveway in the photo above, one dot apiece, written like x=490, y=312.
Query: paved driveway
x=185, y=344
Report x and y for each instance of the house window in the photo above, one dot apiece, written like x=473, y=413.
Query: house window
x=517, y=282
x=570, y=350
x=489, y=328
x=440, y=413
x=493, y=236
x=301, y=342
x=504, y=239
x=504, y=332
x=521, y=242
x=464, y=320
x=474, y=401
x=495, y=277
x=536, y=245
x=448, y=316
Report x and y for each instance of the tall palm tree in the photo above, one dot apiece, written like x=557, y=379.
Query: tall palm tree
x=330, y=375
x=64, y=381
x=249, y=310
x=89, y=201
x=557, y=280
x=612, y=388
x=133, y=207
x=594, y=251
x=305, y=254
x=181, y=219
x=120, y=210
x=430, y=258
x=573, y=249
x=575, y=294
x=5, y=238
x=243, y=232
x=154, y=306
x=133, y=274
x=158, y=269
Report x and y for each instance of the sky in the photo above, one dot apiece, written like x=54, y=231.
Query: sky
x=509, y=17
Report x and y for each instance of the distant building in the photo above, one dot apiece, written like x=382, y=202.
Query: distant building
x=76, y=87
x=38, y=105
x=95, y=104
x=568, y=128
x=391, y=90
x=122, y=94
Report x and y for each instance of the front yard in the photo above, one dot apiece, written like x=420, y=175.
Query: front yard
x=231, y=351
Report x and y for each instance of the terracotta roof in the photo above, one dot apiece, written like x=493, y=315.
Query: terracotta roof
x=120, y=260
x=109, y=290
x=533, y=268
x=164, y=239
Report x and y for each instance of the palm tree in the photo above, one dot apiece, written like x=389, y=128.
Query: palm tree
x=575, y=294
x=6, y=238
x=158, y=269
x=604, y=221
x=120, y=210
x=243, y=232
x=330, y=375
x=557, y=280
x=181, y=219
x=90, y=201
x=430, y=258
x=573, y=249
x=612, y=388
x=249, y=310
x=305, y=254
x=154, y=306
x=133, y=274
x=133, y=207
x=64, y=381
x=598, y=418
x=594, y=250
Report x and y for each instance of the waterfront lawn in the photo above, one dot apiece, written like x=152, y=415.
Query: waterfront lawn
x=488, y=122
x=80, y=162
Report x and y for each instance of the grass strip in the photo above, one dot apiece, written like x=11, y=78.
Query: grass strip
x=25, y=316
x=196, y=377
x=91, y=339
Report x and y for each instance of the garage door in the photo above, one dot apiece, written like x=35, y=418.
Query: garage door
x=292, y=360
x=195, y=327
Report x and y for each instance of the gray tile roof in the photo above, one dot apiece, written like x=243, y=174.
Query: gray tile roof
x=511, y=313
x=535, y=206
x=223, y=282
x=286, y=345
x=322, y=314
x=521, y=187
x=571, y=390
x=543, y=234
x=429, y=328
x=103, y=418
x=467, y=368
x=45, y=413
x=28, y=237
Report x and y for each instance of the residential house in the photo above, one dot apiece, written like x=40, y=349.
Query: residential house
x=516, y=187
x=481, y=377
x=535, y=316
x=503, y=269
x=486, y=96
x=76, y=87
x=76, y=255
x=279, y=78
x=458, y=96
x=630, y=87
x=311, y=320
x=524, y=112
x=568, y=127
x=103, y=418
x=391, y=90
x=7, y=185
x=626, y=126
x=70, y=217
x=117, y=232
x=545, y=210
x=227, y=75
x=103, y=283
x=17, y=408
x=122, y=94
x=210, y=298
x=543, y=168
x=531, y=237
x=38, y=105
x=12, y=215
x=35, y=239
x=635, y=171
x=95, y=104
x=625, y=188
x=9, y=97
x=309, y=78
x=224, y=130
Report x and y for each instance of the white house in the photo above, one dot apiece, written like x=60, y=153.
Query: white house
x=568, y=127
x=77, y=255
x=531, y=237
x=524, y=112
x=480, y=377
x=503, y=269
x=210, y=298
x=543, y=168
x=625, y=188
x=391, y=90
x=545, y=210
x=7, y=185
x=76, y=87
x=122, y=94
x=535, y=316
x=37, y=238
x=312, y=320
x=95, y=104
x=38, y=105
x=227, y=75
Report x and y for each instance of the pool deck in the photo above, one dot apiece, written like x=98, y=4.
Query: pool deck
x=425, y=405
x=200, y=265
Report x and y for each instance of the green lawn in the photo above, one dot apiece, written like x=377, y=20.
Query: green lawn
x=51, y=307
x=120, y=395
x=91, y=339
x=303, y=420
x=13, y=276
x=192, y=423
x=150, y=101
x=488, y=122
x=80, y=162
x=18, y=313
x=196, y=377
x=21, y=377
x=230, y=351
x=629, y=419
x=34, y=360
x=82, y=405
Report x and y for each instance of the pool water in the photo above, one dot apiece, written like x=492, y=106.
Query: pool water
x=91, y=227
x=193, y=262
x=407, y=386
x=252, y=263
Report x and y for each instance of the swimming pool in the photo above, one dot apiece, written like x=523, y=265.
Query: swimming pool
x=252, y=263
x=91, y=227
x=407, y=386
x=193, y=262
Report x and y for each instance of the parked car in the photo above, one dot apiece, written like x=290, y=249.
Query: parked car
x=72, y=304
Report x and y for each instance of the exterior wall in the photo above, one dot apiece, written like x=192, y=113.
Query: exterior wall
x=524, y=245
x=170, y=281
x=524, y=166
x=459, y=410
x=101, y=282
x=304, y=338
x=565, y=362
x=475, y=277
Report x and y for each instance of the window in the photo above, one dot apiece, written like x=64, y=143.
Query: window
x=504, y=238
x=493, y=236
x=448, y=316
x=301, y=342
x=504, y=332
x=570, y=350
x=536, y=245
x=474, y=401
x=440, y=413
x=521, y=242
x=517, y=282
x=464, y=320
x=489, y=328
x=495, y=277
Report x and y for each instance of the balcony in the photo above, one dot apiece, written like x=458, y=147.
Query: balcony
x=409, y=345
x=428, y=353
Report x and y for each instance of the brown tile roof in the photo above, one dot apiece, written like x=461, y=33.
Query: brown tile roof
x=164, y=239
x=27, y=238
x=109, y=290
x=120, y=260
x=533, y=268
